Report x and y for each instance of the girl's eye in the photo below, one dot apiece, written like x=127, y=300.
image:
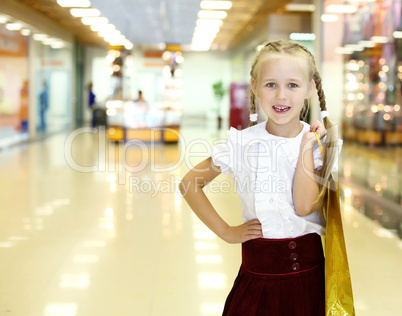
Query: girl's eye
x=293, y=85
x=271, y=84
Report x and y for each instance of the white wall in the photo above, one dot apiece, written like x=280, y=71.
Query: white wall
x=200, y=71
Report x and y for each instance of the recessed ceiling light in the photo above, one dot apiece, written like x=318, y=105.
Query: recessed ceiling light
x=94, y=20
x=25, y=32
x=39, y=37
x=209, y=22
x=13, y=26
x=380, y=39
x=367, y=43
x=204, y=14
x=300, y=7
x=341, y=8
x=79, y=13
x=102, y=27
x=397, y=34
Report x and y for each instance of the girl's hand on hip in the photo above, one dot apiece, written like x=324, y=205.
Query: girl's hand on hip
x=242, y=233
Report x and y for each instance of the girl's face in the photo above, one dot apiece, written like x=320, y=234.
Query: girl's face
x=282, y=87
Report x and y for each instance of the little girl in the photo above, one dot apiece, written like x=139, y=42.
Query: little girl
x=282, y=270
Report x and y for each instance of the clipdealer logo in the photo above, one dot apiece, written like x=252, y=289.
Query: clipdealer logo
x=112, y=156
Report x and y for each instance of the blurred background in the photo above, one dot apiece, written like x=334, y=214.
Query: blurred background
x=105, y=105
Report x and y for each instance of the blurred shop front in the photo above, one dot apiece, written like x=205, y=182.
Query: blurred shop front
x=139, y=90
x=36, y=75
x=368, y=44
x=13, y=85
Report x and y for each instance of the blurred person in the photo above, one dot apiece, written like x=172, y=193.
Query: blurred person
x=44, y=105
x=140, y=100
x=91, y=103
x=282, y=270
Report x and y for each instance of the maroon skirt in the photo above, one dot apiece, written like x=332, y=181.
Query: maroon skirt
x=279, y=277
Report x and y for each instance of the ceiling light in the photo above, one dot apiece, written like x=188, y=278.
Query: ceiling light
x=202, y=41
x=74, y=3
x=367, y=43
x=329, y=18
x=397, y=34
x=209, y=22
x=39, y=37
x=128, y=45
x=216, y=5
x=210, y=29
x=3, y=19
x=25, y=32
x=379, y=39
x=109, y=34
x=341, y=8
x=94, y=20
x=300, y=7
x=343, y=50
x=203, y=14
x=79, y=13
x=102, y=27
x=48, y=41
x=57, y=44
x=200, y=47
x=355, y=47
x=302, y=36
x=13, y=26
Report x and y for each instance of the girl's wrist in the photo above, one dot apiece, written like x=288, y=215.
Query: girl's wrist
x=308, y=141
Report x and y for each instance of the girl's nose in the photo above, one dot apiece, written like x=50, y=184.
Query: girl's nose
x=281, y=95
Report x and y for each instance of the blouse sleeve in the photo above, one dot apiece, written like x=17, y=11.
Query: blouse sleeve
x=222, y=154
x=318, y=158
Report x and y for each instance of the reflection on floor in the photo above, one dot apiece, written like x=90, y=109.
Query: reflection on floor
x=89, y=228
x=374, y=177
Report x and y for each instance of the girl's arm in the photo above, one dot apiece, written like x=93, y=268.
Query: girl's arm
x=305, y=187
x=191, y=189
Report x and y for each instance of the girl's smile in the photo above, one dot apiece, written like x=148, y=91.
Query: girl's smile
x=281, y=109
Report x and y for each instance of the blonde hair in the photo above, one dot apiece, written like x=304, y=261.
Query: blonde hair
x=272, y=50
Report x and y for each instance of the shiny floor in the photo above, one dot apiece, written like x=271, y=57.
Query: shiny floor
x=92, y=228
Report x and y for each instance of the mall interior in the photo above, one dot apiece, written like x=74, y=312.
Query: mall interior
x=105, y=106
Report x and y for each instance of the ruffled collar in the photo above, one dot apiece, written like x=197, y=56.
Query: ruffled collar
x=264, y=134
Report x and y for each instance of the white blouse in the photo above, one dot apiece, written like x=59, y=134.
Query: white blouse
x=263, y=166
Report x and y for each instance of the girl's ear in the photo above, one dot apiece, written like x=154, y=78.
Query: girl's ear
x=254, y=87
x=311, y=89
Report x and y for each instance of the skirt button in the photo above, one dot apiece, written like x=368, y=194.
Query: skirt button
x=294, y=256
x=295, y=266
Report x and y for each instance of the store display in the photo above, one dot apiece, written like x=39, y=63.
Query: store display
x=139, y=120
x=373, y=76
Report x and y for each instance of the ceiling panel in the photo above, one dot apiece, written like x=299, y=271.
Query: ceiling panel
x=160, y=21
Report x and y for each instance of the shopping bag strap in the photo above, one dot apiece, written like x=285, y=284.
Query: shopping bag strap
x=322, y=151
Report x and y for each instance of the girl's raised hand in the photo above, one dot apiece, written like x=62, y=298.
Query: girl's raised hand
x=318, y=127
x=310, y=138
x=247, y=231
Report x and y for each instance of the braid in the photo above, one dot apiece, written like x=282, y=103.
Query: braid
x=320, y=92
x=253, y=107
